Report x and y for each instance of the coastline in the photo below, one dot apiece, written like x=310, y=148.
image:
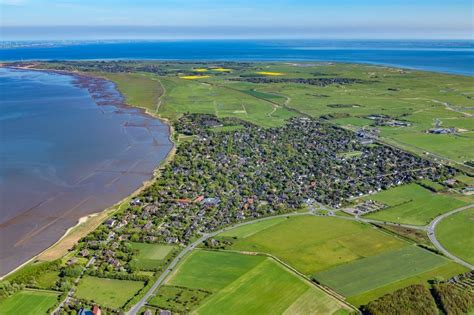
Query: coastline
x=89, y=222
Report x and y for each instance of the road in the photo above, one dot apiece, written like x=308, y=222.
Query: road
x=136, y=308
x=72, y=290
x=432, y=235
x=429, y=228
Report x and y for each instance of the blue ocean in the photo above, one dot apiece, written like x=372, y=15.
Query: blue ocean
x=455, y=56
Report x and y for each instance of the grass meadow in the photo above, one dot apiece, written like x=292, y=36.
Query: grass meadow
x=456, y=234
x=372, y=272
x=412, y=204
x=109, y=292
x=311, y=244
x=28, y=302
x=249, y=284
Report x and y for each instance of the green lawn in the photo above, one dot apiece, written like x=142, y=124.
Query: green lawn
x=150, y=256
x=377, y=271
x=108, y=292
x=28, y=302
x=412, y=204
x=311, y=244
x=212, y=271
x=456, y=234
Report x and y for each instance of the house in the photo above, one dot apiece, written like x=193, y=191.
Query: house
x=136, y=202
x=110, y=223
x=165, y=312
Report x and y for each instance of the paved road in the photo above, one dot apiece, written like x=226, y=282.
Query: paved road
x=73, y=288
x=431, y=228
x=136, y=308
x=358, y=218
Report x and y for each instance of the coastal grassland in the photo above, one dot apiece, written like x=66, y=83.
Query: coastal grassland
x=412, y=204
x=249, y=284
x=211, y=270
x=372, y=272
x=444, y=272
x=108, y=292
x=188, y=96
x=140, y=90
x=456, y=234
x=150, y=256
x=420, y=98
x=311, y=244
x=28, y=302
x=251, y=229
x=455, y=147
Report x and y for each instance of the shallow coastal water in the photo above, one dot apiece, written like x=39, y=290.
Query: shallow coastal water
x=450, y=56
x=68, y=148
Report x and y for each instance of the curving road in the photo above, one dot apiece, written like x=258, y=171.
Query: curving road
x=432, y=235
x=136, y=308
x=430, y=228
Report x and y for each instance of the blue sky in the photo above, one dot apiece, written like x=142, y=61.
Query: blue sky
x=99, y=19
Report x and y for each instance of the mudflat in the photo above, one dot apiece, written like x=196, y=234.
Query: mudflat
x=69, y=147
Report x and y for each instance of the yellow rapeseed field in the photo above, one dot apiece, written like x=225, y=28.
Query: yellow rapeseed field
x=200, y=70
x=222, y=69
x=270, y=73
x=194, y=77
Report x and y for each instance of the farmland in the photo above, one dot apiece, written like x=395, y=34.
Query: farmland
x=258, y=140
x=107, y=292
x=412, y=204
x=243, y=284
x=369, y=273
x=311, y=244
x=28, y=302
x=456, y=234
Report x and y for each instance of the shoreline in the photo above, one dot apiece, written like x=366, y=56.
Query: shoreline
x=87, y=224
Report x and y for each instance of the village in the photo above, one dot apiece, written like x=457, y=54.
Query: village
x=221, y=178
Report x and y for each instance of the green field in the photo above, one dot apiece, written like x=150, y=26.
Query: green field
x=420, y=98
x=444, y=272
x=456, y=234
x=412, y=204
x=197, y=96
x=140, y=90
x=28, y=302
x=311, y=244
x=251, y=229
x=246, y=284
x=150, y=256
x=212, y=270
x=108, y=292
x=377, y=271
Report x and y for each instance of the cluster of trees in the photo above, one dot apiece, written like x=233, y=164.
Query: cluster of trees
x=413, y=300
x=454, y=300
x=311, y=81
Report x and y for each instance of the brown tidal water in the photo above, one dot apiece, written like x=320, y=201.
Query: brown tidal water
x=69, y=147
